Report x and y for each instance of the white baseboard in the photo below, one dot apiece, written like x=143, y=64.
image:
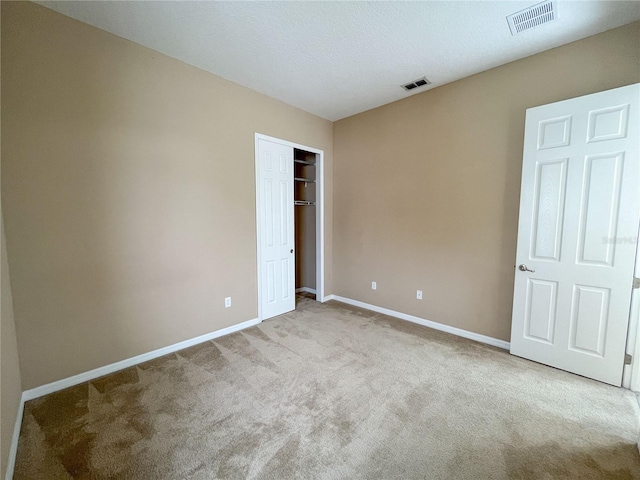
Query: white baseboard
x=13, y=448
x=306, y=289
x=130, y=362
x=421, y=321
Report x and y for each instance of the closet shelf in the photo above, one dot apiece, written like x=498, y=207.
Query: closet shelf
x=304, y=202
x=306, y=180
x=305, y=162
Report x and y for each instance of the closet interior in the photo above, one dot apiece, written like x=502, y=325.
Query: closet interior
x=305, y=219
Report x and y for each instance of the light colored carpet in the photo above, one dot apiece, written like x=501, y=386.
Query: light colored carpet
x=329, y=392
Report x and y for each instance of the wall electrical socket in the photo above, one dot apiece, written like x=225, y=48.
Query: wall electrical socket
x=227, y=302
x=374, y=285
x=419, y=294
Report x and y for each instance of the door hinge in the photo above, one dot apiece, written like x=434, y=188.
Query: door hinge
x=627, y=359
x=636, y=282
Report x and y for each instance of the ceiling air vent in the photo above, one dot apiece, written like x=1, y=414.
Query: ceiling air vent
x=416, y=83
x=532, y=17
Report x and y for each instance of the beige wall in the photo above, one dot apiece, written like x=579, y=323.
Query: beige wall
x=10, y=382
x=427, y=189
x=128, y=193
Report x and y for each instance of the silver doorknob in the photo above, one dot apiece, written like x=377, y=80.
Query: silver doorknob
x=524, y=268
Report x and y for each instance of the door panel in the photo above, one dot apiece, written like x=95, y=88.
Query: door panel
x=541, y=310
x=608, y=123
x=577, y=234
x=551, y=179
x=554, y=132
x=590, y=315
x=600, y=206
x=276, y=229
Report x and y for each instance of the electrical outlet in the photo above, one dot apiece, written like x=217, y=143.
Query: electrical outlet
x=419, y=294
x=374, y=286
x=227, y=302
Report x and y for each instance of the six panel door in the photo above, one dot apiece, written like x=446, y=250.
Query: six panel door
x=577, y=233
x=276, y=219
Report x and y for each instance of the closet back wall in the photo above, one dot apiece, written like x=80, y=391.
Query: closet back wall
x=128, y=191
x=428, y=188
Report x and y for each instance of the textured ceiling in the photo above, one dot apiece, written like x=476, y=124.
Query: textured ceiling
x=335, y=59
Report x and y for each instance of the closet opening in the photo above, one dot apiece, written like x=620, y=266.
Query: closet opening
x=304, y=164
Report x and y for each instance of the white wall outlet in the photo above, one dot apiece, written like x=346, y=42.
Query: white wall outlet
x=227, y=302
x=419, y=294
x=374, y=286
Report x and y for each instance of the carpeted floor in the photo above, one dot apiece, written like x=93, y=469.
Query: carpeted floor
x=330, y=391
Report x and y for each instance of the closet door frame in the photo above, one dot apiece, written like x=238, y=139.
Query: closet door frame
x=319, y=216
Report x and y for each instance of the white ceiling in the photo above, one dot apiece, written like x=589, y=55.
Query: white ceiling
x=336, y=59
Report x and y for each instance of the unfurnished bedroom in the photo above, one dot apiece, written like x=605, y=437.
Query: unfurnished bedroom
x=320, y=240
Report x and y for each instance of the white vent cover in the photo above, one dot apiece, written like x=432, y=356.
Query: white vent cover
x=532, y=17
x=421, y=82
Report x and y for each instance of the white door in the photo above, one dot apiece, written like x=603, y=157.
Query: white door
x=577, y=235
x=276, y=229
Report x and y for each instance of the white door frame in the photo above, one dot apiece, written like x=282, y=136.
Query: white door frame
x=319, y=215
x=631, y=373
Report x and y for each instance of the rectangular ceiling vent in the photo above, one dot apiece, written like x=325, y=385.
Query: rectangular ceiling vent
x=532, y=17
x=416, y=83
